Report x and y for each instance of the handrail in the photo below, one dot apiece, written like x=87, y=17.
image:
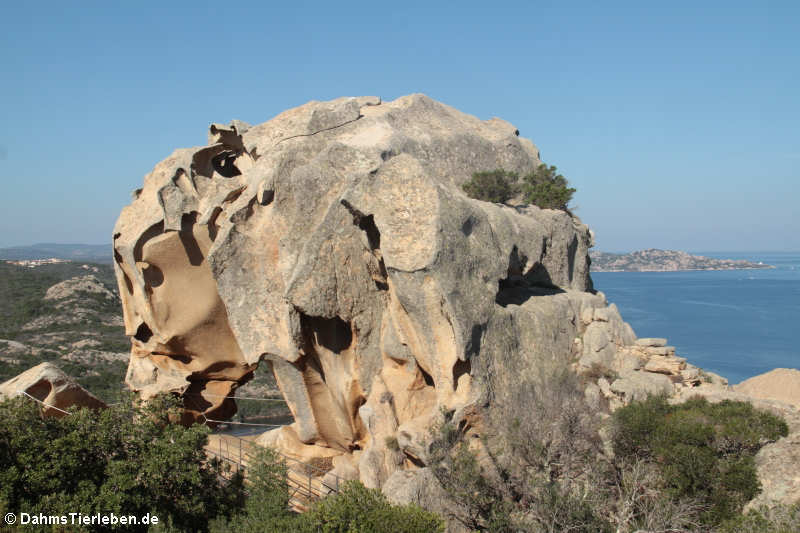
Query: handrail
x=307, y=482
x=250, y=444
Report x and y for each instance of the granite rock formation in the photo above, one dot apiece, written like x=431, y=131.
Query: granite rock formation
x=46, y=383
x=334, y=244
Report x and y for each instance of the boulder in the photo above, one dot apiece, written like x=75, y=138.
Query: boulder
x=334, y=244
x=666, y=365
x=660, y=350
x=421, y=488
x=781, y=384
x=53, y=388
x=637, y=385
x=651, y=342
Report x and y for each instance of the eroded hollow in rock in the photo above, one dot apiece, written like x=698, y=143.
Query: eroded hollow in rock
x=225, y=264
x=330, y=374
x=366, y=223
x=520, y=283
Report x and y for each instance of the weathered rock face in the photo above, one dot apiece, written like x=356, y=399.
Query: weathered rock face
x=46, y=383
x=334, y=243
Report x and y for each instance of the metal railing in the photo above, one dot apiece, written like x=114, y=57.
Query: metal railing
x=307, y=483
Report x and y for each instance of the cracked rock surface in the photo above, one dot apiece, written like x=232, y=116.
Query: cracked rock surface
x=334, y=244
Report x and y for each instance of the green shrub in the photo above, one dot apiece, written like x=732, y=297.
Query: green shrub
x=547, y=189
x=542, y=187
x=357, y=509
x=777, y=519
x=704, y=451
x=495, y=186
x=354, y=509
x=126, y=460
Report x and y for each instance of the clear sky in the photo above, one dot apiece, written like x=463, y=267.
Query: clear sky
x=678, y=122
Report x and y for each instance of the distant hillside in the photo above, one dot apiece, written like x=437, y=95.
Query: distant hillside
x=69, y=314
x=66, y=313
x=95, y=253
x=654, y=260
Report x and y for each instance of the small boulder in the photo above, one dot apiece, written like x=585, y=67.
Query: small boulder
x=660, y=350
x=52, y=387
x=651, y=341
x=666, y=365
x=782, y=384
x=638, y=385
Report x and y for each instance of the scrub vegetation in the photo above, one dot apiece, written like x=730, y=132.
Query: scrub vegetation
x=686, y=467
x=543, y=187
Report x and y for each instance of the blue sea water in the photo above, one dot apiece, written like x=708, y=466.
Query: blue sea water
x=737, y=323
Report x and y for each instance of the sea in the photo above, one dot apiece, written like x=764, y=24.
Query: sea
x=736, y=323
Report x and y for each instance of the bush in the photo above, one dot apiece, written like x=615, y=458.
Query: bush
x=704, y=451
x=547, y=189
x=354, y=509
x=778, y=519
x=542, y=187
x=495, y=186
x=126, y=460
x=357, y=509
x=537, y=474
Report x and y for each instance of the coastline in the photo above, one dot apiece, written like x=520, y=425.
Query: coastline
x=764, y=267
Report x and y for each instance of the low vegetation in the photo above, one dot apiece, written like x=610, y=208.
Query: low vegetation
x=353, y=509
x=133, y=460
x=704, y=451
x=542, y=187
x=686, y=467
x=127, y=460
x=497, y=186
x=81, y=337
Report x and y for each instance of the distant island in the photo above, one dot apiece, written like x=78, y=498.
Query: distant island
x=654, y=260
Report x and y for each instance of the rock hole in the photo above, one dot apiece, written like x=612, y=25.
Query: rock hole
x=152, y=231
x=213, y=227
x=267, y=197
x=332, y=333
x=143, y=333
x=459, y=369
x=190, y=245
x=366, y=223
x=414, y=461
x=40, y=390
x=180, y=357
x=224, y=164
x=233, y=195
x=153, y=276
x=467, y=226
x=427, y=377
x=519, y=284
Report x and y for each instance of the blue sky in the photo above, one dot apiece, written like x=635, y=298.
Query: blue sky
x=678, y=123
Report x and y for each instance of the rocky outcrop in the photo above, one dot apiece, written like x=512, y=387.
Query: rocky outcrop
x=48, y=384
x=335, y=245
x=780, y=384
